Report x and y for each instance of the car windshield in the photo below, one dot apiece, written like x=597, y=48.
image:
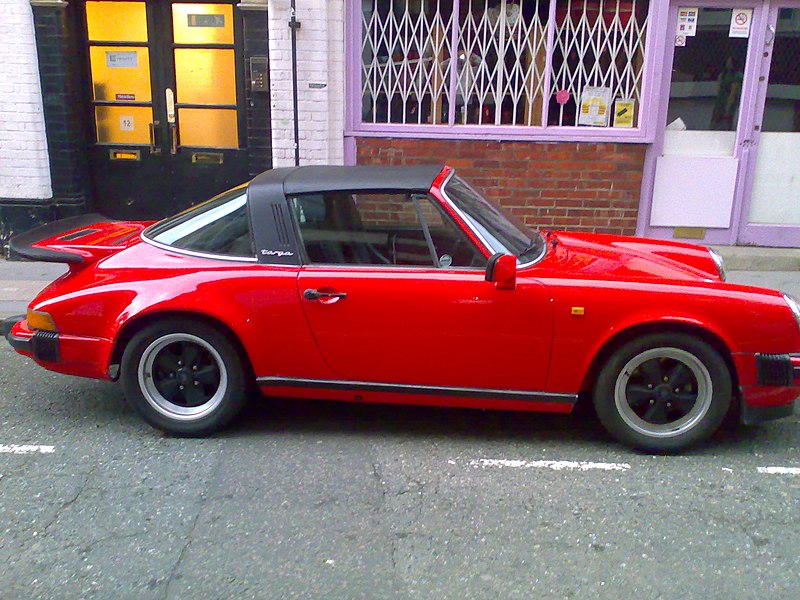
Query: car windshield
x=501, y=232
x=219, y=226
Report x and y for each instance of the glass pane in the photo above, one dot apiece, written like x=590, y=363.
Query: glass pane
x=598, y=63
x=202, y=23
x=204, y=76
x=501, y=64
x=777, y=181
x=123, y=124
x=219, y=226
x=120, y=73
x=116, y=21
x=208, y=127
x=707, y=74
x=406, y=61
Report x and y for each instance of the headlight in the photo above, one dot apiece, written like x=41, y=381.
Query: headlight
x=715, y=256
x=794, y=304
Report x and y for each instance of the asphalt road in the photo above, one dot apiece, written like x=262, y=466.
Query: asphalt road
x=325, y=500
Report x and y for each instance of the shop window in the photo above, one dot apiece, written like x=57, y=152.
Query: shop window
x=503, y=62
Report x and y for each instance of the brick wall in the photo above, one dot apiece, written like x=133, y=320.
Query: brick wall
x=320, y=58
x=561, y=185
x=24, y=165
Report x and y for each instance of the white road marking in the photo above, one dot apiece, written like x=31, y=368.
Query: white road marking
x=25, y=449
x=555, y=465
x=779, y=470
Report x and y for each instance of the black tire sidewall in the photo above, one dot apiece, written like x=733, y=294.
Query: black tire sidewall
x=607, y=412
x=232, y=401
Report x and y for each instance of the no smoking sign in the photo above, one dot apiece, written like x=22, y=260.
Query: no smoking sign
x=740, y=22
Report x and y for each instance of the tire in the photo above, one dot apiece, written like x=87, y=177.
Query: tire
x=184, y=377
x=663, y=393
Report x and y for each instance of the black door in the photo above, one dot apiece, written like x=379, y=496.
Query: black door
x=166, y=99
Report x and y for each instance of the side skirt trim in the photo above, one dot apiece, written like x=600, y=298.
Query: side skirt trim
x=428, y=390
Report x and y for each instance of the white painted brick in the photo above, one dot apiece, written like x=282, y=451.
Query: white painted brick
x=24, y=160
x=320, y=49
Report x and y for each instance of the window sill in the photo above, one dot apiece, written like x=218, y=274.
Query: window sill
x=504, y=133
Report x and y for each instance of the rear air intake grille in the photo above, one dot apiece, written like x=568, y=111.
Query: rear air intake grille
x=77, y=234
x=774, y=369
x=280, y=224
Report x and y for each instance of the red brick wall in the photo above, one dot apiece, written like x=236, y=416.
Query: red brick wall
x=551, y=185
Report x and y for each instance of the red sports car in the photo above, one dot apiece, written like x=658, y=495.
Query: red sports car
x=404, y=285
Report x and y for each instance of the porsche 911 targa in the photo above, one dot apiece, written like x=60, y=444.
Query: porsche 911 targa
x=404, y=285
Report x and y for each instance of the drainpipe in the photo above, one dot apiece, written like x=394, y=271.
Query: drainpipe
x=294, y=25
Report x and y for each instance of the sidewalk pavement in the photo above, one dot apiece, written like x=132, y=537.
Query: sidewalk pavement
x=20, y=281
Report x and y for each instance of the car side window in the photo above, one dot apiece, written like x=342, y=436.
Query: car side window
x=381, y=228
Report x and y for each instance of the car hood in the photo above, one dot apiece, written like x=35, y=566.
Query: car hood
x=630, y=258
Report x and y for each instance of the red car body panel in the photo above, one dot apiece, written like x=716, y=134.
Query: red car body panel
x=438, y=328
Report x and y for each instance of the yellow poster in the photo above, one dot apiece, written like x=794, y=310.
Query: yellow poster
x=623, y=112
x=595, y=102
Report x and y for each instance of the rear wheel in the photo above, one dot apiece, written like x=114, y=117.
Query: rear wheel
x=184, y=377
x=663, y=392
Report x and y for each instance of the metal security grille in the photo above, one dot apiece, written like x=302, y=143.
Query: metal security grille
x=598, y=43
x=518, y=62
x=406, y=55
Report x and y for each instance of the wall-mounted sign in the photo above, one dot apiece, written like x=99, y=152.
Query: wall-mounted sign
x=623, y=112
x=680, y=41
x=595, y=103
x=206, y=20
x=687, y=21
x=126, y=123
x=125, y=97
x=741, y=20
x=122, y=59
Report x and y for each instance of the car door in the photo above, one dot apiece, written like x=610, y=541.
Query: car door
x=394, y=292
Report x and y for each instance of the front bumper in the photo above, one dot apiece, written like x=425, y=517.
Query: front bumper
x=70, y=354
x=775, y=386
x=20, y=344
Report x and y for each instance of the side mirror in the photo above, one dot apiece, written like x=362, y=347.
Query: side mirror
x=502, y=271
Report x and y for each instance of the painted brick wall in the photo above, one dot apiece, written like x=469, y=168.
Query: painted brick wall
x=564, y=185
x=24, y=166
x=320, y=58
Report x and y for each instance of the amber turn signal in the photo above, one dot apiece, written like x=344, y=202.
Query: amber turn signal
x=41, y=320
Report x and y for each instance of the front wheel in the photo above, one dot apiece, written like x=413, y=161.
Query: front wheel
x=663, y=392
x=184, y=377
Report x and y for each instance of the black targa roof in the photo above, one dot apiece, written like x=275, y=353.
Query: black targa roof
x=315, y=179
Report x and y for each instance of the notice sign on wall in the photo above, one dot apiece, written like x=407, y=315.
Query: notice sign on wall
x=206, y=20
x=741, y=19
x=122, y=59
x=595, y=104
x=623, y=112
x=687, y=21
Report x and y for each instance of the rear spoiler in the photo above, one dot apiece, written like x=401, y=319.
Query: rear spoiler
x=76, y=240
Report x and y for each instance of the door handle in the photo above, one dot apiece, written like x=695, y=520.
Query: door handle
x=317, y=295
x=154, y=147
x=169, y=96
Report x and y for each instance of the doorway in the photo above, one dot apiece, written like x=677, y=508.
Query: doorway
x=166, y=96
x=729, y=118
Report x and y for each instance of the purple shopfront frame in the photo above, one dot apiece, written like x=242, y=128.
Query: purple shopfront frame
x=355, y=128
x=659, y=48
x=747, y=135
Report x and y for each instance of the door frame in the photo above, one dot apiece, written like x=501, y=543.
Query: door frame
x=767, y=234
x=745, y=127
x=161, y=47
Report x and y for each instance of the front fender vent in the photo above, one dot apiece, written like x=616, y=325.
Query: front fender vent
x=774, y=369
